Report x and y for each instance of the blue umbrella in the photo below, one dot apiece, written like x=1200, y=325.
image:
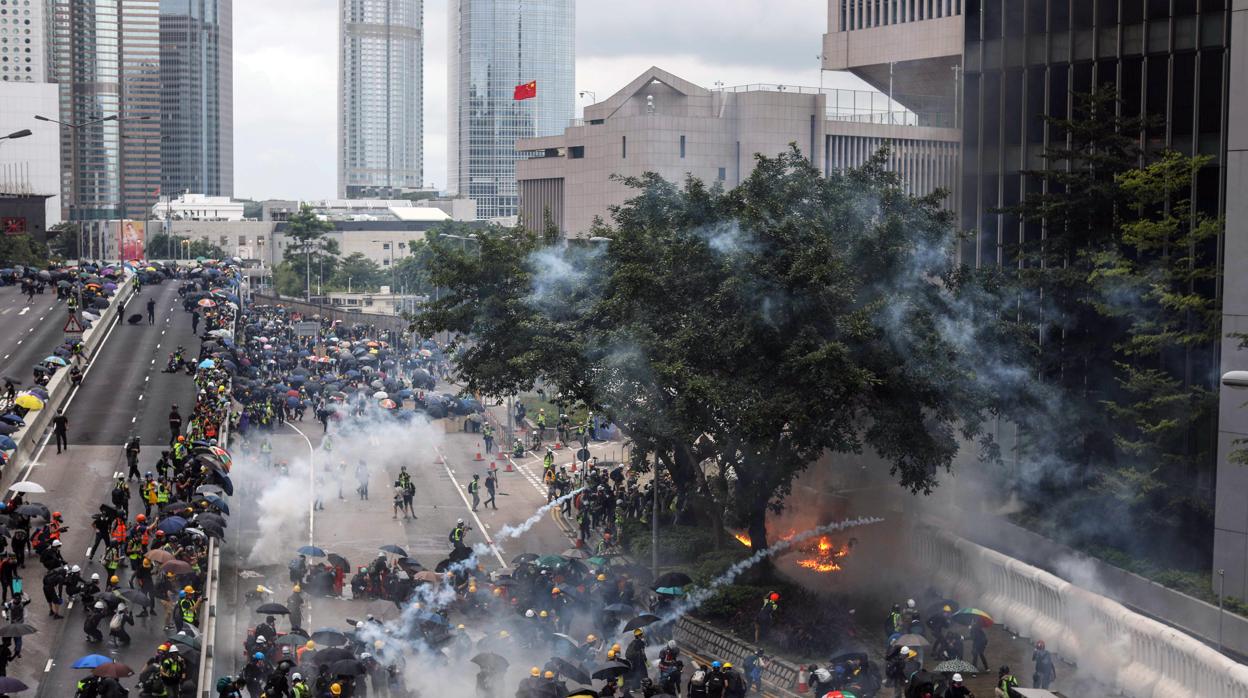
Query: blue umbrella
x=217, y=502
x=7, y=443
x=13, y=419
x=311, y=551
x=670, y=591
x=173, y=524
x=91, y=661
x=207, y=363
x=224, y=480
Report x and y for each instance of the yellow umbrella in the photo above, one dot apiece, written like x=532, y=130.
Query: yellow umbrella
x=149, y=269
x=29, y=401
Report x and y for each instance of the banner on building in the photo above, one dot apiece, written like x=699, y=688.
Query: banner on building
x=131, y=236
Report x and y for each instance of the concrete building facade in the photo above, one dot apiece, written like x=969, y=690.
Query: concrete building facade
x=23, y=41
x=380, y=97
x=495, y=46
x=1017, y=60
x=197, y=97
x=198, y=207
x=664, y=124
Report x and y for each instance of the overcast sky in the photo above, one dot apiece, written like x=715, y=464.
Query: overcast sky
x=285, y=67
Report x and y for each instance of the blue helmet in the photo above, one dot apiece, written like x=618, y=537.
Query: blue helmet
x=258, y=655
x=715, y=665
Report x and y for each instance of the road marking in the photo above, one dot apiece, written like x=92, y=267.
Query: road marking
x=146, y=378
x=473, y=514
x=7, y=355
x=5, y=311
x=311, y=494
x=47, y=667
x=23, y=311
x=20, y=341
x=42, y=317
x=140, y=397
x=134, y=419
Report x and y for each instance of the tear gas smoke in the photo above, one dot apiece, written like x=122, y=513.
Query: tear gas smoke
x=700, y=595
x=509, y=532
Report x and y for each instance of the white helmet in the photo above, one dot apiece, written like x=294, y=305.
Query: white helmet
x=296, y=676
x=365, y=655
x=957, y=678
x=121, y=607
x=75, y=568
x=460, y=521
x=260, y=640
x=56, y=543
x=95, y=576
x=671, y=644
x=905, y=650
x=909, y=603
x=359, y=625
x=173, y=649
x=99, y=604
x=529, y=613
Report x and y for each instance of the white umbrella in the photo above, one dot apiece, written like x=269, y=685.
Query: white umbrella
x=381, y=395
x=27, y=486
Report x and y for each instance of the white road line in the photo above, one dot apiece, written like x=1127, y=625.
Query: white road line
x=473, y=514
x=74, y=393
x=7, y=355
x=20, y=341
x=23, y=311
x=47, y=667
x=140, y=397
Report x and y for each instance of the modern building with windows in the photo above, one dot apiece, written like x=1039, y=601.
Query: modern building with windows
x=23, y=41
x=380, y=97
x=197, y=97
x=106, y=62
x=1016, y=61
x=496, y=45
x=664, y=124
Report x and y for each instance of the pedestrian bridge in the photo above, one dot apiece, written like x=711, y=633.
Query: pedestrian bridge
x=1136, y=655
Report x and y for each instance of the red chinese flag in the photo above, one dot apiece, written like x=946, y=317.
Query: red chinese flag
x=526, y=91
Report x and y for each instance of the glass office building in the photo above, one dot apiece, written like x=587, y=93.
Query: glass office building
x=197, y=97
x=380, y=97
x=1025, y=58
x=106, y=61
x=495, y=46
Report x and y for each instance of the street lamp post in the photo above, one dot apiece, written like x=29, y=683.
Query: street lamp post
x=15, y=135
x=73, y=130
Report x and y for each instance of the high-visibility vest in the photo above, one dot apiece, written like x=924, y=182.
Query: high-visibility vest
x=188, y=610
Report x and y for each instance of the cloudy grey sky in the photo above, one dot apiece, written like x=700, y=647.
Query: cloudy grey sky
x=285, y=62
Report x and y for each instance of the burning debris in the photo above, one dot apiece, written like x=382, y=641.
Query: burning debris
x=821, y=556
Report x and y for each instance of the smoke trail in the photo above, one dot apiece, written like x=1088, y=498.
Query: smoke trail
x=700, y=595
x=508, y=532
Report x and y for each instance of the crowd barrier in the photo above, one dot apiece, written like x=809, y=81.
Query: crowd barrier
x=1136, y=655
x=711, y=643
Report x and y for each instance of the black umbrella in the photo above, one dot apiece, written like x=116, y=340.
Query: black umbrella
x=640, y=621
x=329, y=636
x=134, y=596
x=570, y=670
x=115, y=670
x=18, y=630
x=348, y=667
x=490, y=661
x=33, y=509
x=393, y=549
x=610, y=672
x=338, y=561
x=671, y=579
x=273, y=608
x=333, y=654
x=8, y=684
x=183, y=639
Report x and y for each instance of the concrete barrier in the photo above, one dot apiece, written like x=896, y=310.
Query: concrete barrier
x=30, y=437
x=711, y=643
x=1139, y=656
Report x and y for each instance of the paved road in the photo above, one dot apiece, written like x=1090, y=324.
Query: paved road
x=123, y=393
x=354, y=527
x=31, y=331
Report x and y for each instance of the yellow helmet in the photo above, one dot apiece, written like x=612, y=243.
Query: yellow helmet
x=549, y=674
x=189, y=589
x=260, y=589
x=378, y=644
x=615, y=647
x=503, y=634
x=460, y=626
x=611, y=654
x=335, y=688
x=637, y=632
x=602, y=577
x=554, y=591
x=297, y=588
x=727, y=665
x=535, y=672
x=310, y=644
x=114, y=580
x=543, y=614
x=591, y=638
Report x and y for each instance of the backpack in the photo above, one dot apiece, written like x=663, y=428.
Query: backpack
x=153, y=683
x=223, y=683
x=698, y=678
x=117, y=621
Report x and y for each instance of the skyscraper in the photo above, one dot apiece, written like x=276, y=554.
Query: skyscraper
x=106, y=61
x=495, y=46
x=197, y=97
x=23, y=41
x=380, y=97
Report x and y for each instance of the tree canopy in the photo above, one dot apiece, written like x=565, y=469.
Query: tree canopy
x=740, y=334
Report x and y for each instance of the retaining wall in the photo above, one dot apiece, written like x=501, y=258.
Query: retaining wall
x=1139, y=656
x=31, y=436
x=394, y=323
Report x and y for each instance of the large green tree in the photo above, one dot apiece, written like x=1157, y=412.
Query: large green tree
x=22, y=249
x=63, y=241
x=740, y=335
x=162, y=246
x=311, y=257
x=356, y=272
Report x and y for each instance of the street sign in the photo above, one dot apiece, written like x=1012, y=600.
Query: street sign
x=583, y=455
x=72, y=325
x=309, y=328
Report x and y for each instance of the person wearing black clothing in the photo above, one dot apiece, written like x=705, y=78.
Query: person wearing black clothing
x=101, y=523
x=194, y=322
x=132, y=459
x=151, y=311
x=175, y=423
x=59, y=425
x=979, y=643
x=491, y=483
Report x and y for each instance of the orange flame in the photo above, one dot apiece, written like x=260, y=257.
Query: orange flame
x=743, y=539
x=826, y=557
